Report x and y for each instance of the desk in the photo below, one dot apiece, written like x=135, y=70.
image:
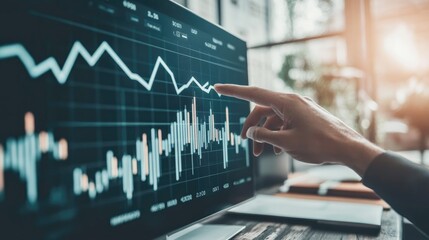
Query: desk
x=261, y=228
x=391, y=229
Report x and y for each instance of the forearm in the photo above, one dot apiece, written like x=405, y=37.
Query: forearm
x=403, y=184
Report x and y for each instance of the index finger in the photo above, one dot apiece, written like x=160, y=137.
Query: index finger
x=254, y=94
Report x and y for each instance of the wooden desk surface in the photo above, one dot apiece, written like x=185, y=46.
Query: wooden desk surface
x=272, y=230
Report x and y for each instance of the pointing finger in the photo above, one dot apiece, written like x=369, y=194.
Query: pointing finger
x=254, y=94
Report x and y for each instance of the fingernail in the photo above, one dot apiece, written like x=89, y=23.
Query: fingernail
x=250, y=132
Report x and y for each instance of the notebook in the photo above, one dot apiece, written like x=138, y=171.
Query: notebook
x=354, y=215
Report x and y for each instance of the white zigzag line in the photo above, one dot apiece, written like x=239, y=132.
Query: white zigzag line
x=62, y=74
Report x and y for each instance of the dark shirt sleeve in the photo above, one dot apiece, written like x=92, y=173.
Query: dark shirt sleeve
x=403, y=184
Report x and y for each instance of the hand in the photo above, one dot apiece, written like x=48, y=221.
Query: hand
x=300, y=127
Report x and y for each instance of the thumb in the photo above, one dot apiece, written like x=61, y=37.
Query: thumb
x=264, y=135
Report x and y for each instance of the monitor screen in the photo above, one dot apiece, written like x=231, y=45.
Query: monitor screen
x=110, y=125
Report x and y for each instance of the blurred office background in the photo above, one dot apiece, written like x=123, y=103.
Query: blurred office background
x=366, y=61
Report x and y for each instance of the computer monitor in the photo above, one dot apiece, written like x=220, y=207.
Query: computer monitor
x=110, y=125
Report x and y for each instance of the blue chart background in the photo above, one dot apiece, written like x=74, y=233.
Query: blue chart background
x=99, y=108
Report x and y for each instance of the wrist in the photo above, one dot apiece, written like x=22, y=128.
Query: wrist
x=359, y=154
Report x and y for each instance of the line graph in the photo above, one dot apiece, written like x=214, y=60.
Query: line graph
x=35, y=70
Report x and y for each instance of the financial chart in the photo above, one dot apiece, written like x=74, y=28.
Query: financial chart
x=110, y=122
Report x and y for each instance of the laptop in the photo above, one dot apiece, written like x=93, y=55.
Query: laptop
x=356, y=215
